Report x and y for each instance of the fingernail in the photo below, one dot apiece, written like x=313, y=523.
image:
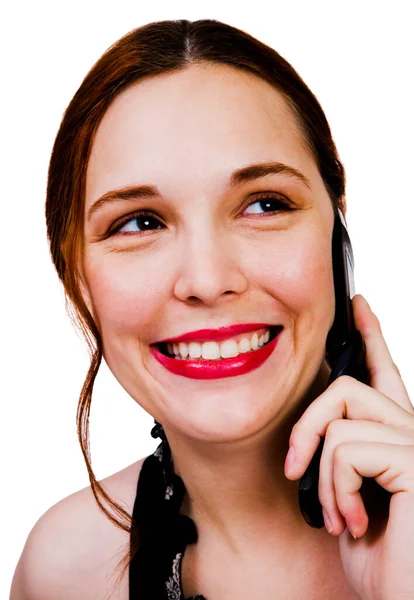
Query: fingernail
x=350, y=530
x=327, y=520
x=290, y=459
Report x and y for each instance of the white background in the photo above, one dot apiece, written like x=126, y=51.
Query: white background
x=358, y=60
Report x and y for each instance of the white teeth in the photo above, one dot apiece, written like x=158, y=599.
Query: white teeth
x=182, y=350
x=210, y=350
x=215, y=351
x=194, y=350
x=254, y=341
x=229, y=349
x=244, y=345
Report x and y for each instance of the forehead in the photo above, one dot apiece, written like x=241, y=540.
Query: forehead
x=191, y=128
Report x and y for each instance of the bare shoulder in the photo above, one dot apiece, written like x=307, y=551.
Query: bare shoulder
x=73, y=550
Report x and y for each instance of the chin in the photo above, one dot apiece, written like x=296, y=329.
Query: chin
x=235, y=413
x=227, y=409
x=226, y=416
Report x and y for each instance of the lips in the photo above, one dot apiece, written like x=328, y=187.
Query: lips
x=216, y=335
x=216, y=369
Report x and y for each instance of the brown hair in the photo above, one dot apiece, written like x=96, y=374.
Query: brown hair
x=155, y=48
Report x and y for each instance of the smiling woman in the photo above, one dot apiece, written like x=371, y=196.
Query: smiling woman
x=191, y=198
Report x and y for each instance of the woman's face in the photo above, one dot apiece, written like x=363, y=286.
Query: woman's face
x=209, y=254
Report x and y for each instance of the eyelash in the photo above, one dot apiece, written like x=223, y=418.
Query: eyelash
x=144, y=213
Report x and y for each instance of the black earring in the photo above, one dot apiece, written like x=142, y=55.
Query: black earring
x=158, y=432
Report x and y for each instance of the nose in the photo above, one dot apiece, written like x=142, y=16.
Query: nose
x=209, y=267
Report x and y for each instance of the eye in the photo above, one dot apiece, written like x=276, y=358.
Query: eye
x=142, y=221
x=138, y=222
x=268, y=205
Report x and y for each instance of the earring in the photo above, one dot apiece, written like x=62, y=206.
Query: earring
x=158, y=431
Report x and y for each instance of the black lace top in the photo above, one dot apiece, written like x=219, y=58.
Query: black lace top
x=163, y=533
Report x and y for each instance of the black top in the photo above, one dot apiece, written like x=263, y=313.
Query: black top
x=163, y=533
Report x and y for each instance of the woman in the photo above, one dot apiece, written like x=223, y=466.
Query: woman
x=190, y=207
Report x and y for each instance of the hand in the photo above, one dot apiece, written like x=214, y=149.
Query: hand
x=369, y=432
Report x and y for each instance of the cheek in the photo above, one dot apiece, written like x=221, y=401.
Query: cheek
x=299, y=267
x=298, y=272
x=126, y=294
x=129, y=292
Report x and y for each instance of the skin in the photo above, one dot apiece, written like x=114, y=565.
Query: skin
x=207, y=267
x=213, y=262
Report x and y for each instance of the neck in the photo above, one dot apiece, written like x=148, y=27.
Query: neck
x=238, y=492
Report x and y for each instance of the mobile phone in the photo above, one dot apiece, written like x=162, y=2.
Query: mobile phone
x=345, y=353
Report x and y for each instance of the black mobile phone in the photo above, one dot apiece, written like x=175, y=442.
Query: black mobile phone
x=345, y=353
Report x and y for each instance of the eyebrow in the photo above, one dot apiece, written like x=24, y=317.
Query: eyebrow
x=242, y=175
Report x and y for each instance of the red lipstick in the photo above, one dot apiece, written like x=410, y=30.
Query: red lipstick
x=216, y=335
x=217, y=369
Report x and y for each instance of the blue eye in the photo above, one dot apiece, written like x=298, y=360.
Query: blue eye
x=268, y=204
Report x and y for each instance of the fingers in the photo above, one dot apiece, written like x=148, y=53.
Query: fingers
x=344, y=398
x=392, y=466
x=342, y=432
x=368, y=431
x=384, y=374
